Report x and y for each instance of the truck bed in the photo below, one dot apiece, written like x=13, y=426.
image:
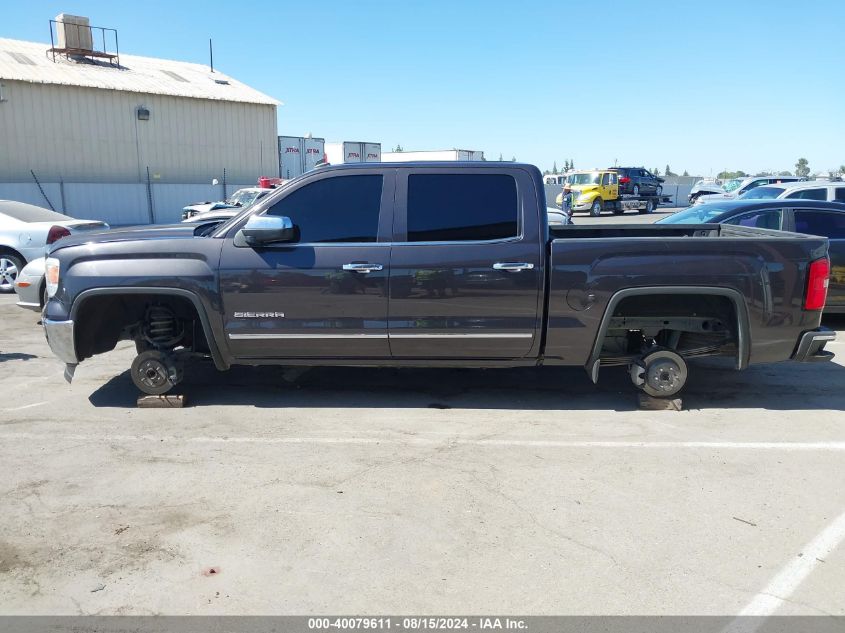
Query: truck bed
x=592, y=269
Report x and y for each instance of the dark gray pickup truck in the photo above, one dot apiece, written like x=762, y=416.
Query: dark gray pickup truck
x=435, y=264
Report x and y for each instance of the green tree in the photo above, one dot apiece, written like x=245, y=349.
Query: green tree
x=500, y=157
x=398, y=148
x=726, y=175
x=554, y=168
x=784, y=173
x=842, y=169
x=668, y=172
x=566, y=165
x=571, y=164
x=802, y=168
x=686, y=173
x=656, y=171
x=513, y=159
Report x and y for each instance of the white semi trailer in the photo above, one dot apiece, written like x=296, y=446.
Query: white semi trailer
x=446, y=154
x=353, y=152
x=299, y=154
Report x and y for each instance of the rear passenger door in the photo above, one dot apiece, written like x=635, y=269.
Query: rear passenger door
x=830, y=224
x=466, y=265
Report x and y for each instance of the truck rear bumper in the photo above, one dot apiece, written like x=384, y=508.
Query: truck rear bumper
x=811, y=345
x=60, y=338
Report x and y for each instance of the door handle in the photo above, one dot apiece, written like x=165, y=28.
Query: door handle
x=363, y=268
x=512, y=267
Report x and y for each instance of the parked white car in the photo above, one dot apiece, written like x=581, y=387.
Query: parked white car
x=704, y=192
x=812, y=190
x=240, y=199
x=25, y=230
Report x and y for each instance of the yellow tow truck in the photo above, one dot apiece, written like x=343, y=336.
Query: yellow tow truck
x=597, y=190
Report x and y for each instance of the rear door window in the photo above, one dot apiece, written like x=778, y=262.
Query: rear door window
x=462, y=207
x=336, y=209
x=825, y=223
x=840, y=194
x=761, y=219
x=809, y=194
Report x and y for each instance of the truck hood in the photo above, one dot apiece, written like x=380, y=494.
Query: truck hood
x=129, y=233
x=583, y=188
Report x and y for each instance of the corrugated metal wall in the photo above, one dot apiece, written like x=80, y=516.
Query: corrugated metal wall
x=88, y=135
x=117, y=204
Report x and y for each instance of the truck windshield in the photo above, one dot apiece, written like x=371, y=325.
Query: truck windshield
x=701, y=214
x=592, y=178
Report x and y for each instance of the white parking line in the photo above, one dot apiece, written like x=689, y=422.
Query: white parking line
x=26, y=406
x=788, y=579
x=423, y=441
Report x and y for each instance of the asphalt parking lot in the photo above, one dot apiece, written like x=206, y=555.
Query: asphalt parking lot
x=417, y=491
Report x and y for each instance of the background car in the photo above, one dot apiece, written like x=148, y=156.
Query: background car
x=240, y=199
x=801, y=216
x=811, y=190
x=26, y=229
x=210, y=216
x=638, y=181
x=735, y=187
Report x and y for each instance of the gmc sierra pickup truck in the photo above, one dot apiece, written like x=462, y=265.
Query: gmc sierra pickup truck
x=435, y=264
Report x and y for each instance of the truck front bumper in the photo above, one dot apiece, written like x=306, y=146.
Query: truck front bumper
x=60, y=338
x=811, y=345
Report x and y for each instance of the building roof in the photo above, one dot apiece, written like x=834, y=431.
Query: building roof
x=30, y=61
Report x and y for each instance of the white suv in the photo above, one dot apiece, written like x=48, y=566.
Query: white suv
x=812, y=190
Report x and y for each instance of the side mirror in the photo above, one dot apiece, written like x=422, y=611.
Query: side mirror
x=265, y=229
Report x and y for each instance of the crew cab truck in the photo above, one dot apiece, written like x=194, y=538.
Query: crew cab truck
x=435, y=264
x=597, y=190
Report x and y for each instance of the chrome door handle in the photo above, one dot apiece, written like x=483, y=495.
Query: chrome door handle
x=512, y=267
x=363, y=268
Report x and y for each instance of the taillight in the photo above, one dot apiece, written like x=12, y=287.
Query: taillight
x=817, y=282
x=624, y=180
x=56, y=233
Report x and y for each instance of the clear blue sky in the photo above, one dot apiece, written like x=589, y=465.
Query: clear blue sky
x=701, y=86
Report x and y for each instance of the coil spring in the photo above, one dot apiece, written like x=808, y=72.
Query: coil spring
x=161, y=327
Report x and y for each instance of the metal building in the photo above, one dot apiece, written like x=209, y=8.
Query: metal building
x=85, y=131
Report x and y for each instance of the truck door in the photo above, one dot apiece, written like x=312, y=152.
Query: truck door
x=325, y=293
x=609, y=186
x=466, y=265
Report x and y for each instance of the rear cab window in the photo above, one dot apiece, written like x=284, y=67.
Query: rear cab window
x=462, y=208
